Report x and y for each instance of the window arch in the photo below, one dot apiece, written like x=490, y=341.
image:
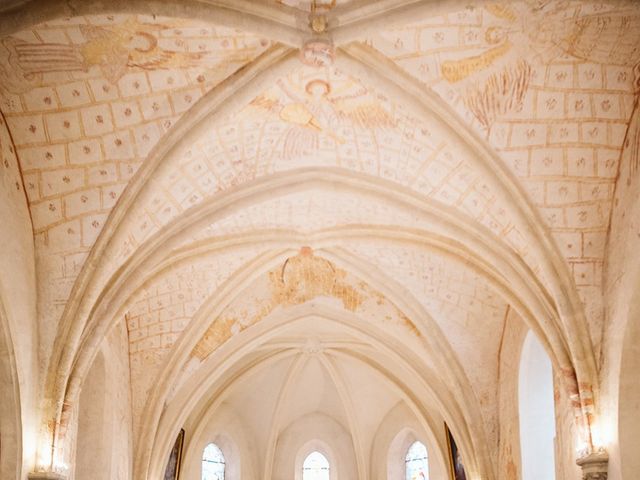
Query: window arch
x=212, y=463
x=315, y=467
x=536, y=409
x=417, y=462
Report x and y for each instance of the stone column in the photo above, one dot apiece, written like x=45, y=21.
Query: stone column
x=594, y=466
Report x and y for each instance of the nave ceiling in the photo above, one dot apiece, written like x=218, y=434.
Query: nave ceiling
x=453, y=168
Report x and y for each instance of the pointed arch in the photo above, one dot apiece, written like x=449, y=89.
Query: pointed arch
x=151, y=442
x=79, y=325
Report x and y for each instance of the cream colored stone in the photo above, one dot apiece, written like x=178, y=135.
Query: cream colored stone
x=202, y=233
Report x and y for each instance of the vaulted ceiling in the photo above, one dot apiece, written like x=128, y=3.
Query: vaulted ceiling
x=191, y=175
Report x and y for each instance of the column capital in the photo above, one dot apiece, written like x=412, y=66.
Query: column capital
x=595, y=466
x=47, y=476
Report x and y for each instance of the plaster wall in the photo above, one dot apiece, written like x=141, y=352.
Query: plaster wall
x=619, y=375
x=18, y=303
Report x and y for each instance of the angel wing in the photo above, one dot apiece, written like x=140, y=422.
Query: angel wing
x=364, y=113
x=267, y=103
x=93, y=32
x=157, y=58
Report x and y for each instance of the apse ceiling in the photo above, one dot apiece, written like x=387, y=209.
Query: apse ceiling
x=441, y=171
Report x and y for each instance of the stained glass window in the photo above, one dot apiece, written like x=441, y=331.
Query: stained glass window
x=212, y=463
x=315, y=467
x=417, y=462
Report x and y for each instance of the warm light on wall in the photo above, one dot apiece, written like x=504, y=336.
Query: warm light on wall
x=61, y=467
x=30, y=448
x=582, y=449
x=601, y=434
x=44, y=455
x=601, y=437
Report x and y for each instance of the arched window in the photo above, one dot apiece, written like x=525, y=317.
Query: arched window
x=417, y=462
x=212, y=463
x=536, y=409
x=315, y=467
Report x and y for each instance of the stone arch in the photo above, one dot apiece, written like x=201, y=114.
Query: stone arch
x=582, y=359
x=177, y=408
x=563, y=298
x=295, y=180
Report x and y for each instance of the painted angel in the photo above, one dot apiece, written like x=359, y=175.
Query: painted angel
x=318, y=113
